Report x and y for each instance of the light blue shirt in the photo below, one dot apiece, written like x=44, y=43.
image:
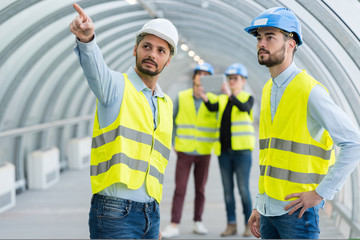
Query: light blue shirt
x=108, y=87
x=323, y=113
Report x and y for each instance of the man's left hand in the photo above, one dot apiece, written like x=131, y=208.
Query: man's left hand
x=305, y=200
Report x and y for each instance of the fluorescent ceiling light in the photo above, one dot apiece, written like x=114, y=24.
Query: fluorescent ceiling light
x=131, y=2
x=184, y=47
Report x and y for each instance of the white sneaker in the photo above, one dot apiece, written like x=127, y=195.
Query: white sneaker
x=170, y=232
x=199, y=228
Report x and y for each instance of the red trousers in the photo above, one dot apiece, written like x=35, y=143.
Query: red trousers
x=183, y=167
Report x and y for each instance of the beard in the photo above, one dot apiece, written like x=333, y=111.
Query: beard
x=148, y=71
x=273, y=59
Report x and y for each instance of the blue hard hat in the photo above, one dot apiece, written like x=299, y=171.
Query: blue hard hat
x=204, y=67
x=237, y=69
x=279, y=17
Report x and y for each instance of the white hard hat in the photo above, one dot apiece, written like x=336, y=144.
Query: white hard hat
x=163, y=29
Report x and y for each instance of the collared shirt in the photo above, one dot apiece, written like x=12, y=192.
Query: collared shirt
x=108, y=87
x=323, y=113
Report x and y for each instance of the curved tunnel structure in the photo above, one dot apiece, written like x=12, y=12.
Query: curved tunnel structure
x=45, y=100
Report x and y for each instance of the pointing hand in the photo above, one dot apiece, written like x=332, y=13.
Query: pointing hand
x=82, y=26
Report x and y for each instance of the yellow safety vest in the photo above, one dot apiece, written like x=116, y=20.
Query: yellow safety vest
x=242, y=129
x=130, y=150
x=195, y=131
x=291, y=160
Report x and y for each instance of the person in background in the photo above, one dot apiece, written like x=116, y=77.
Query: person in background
x=299, y=122
x=132, y=131
x=237, y=140
x=195, y=134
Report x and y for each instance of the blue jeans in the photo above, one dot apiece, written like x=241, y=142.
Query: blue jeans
x=116, y=218
x=238, y=163
x=290, y=227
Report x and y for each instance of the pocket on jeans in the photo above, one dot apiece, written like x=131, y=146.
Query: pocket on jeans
x=115, y=211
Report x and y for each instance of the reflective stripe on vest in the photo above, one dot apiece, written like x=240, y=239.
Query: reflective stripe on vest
x=195, y=131
x=133, y=135
x=295, y=147
x=290, y=159
x=129, y=150
x=296, y=177
x=203, y=129
x=194, y=128
x=200, y=139
x=240, y=123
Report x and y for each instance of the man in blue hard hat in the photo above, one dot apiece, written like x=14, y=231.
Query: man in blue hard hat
x=299, y=123
x=195, y=135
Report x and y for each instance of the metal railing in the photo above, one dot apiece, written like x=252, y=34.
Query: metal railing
x=346, y=207
x=43, y=126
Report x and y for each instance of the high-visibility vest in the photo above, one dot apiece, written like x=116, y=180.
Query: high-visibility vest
x=129, y=150
x=242, y=129
x=291, y=160
x=195, y=131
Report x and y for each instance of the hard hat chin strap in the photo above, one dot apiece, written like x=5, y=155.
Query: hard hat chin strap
x=288, y=34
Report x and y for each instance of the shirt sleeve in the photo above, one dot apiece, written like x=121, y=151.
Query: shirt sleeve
x=244, y=107
x=175, y=112
x=345, y=135
x=212, y=107
x=106, y=84
x=256, y=201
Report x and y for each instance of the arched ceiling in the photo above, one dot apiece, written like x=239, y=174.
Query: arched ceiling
x=41, y=80
x=43, y=86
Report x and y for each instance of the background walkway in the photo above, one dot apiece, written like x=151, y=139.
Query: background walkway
x=61, y=212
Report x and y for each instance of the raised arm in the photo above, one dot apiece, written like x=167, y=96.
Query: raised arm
x=212, y=107
x=107, y=85
x=244, y=107
x=82, y=26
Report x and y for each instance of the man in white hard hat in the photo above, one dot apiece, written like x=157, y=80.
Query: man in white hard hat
x=132, y=131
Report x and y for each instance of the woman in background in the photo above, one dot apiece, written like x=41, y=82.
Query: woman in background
x=236, y=142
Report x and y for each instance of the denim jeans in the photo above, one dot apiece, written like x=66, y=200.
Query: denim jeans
x=116, y=218
x=290, y=226
x=238, y=163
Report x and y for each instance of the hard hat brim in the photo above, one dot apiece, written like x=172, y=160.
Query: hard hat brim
x=160, y=35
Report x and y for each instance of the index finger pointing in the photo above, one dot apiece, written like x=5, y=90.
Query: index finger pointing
x=79, y=10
